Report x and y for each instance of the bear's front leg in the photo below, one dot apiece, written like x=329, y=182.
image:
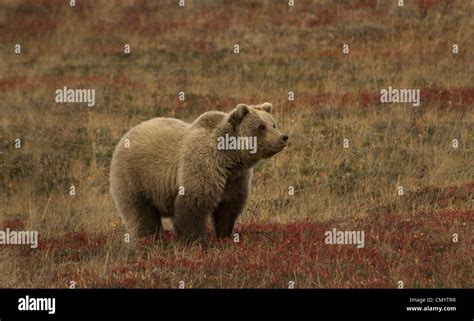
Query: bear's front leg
x=225, y=216
x=200, y=185
x=232, y=204
x=191, y=211
x=189, y=219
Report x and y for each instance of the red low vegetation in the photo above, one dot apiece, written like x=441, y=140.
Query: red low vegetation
x=416, y=248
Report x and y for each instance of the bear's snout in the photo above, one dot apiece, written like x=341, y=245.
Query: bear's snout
x=284, y=139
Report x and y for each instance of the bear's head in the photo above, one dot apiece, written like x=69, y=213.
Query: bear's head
x=256, y=125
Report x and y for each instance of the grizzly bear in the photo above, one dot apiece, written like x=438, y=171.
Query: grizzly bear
x=165, y=167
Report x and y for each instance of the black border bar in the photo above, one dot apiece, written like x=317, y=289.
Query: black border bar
x=284, y=304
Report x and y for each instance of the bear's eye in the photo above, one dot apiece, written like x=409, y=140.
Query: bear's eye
x=274, y=126
x=262, y=127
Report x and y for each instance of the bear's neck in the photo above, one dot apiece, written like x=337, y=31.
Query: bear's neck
x=232, y=160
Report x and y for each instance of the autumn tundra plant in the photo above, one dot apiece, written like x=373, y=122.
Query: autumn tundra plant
x=166, y=167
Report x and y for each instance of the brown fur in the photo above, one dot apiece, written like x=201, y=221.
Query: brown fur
x=167, y=153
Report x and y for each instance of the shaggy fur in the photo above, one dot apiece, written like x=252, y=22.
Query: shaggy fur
x=166, y=154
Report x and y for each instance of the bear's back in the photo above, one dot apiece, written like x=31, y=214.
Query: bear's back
x=156, y=136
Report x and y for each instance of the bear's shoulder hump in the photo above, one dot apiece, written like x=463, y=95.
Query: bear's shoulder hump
x=210, y=119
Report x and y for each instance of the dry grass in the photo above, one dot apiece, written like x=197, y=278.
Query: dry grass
x=282, y=49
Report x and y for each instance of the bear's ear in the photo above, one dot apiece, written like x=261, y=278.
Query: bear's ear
x=268, y=107
x=238, y=114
